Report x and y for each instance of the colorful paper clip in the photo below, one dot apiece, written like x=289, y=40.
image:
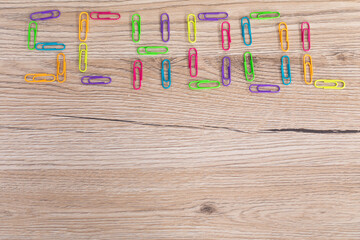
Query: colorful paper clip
x=43, y=46
x=204, y=16
x=163, y=79
x=81, y=26
x=193, y=23
x=54, y=14
x=224, y=78
x=108, y=16
x=248, y=25
x=284, y=77
x=260, y=15
x=140, y=74
x=195, y=55
x=44, y=77
x=308, y=63
x=207, y=82
x=135, y=22
x=61, y=73
x=303, y=30
x=252, y=72
x=266, y=86
x=162, y=23
x=88, y=80
x=147, y=48
x=281, y=30
x=223, y=37
x=325, y=81
x=83, y=52
x=31, y=29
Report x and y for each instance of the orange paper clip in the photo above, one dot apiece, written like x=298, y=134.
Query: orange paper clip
x=81, y=26
x=281, y=30
x=63, y=72
x=40, y=77
x=308, y=63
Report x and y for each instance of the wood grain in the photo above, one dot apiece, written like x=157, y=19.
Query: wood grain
x=108, y=162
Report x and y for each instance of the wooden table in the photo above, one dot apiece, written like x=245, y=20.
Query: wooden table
x=108, y=162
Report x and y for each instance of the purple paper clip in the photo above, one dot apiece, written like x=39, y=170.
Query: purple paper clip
x=259, y=86
x=203, y=16
x=52, y=12
x=224, y=79
x=162, y=22
x=89, y=78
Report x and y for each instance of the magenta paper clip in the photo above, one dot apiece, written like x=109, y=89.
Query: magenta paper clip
x=268, y=88
x=53, y=14
x=104, y=16
x=140, y=74
x=204, y=16
x=303, y=30
x=195, y=55
x=162, y=23
x=88, y=80
x=223, y=37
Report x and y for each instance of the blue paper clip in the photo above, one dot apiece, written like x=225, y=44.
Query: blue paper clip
x=284, y=78
x=163, y=80
x=43, y=46
x=243, y=30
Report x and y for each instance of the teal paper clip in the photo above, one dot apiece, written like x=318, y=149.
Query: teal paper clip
x=247, y=73
x=43, y=46
x=149, y=48
x=133, y=23
x=32, y=29
x=207, y=82
x=248, y=25
x=260, y=15
x=284, y=78
x=163, y=80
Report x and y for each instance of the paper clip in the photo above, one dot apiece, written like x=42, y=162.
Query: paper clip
x=138, y=23
x=336, y=82
x=193, y=23
x=59, y=72
x=303, y=30
x=259, y=90
x=81, y=53
x=162, y=23
x=247, y=73
x=163, y=79
x=308, y=63
x=81, y=26
x=52, y=12
x=204, y=16
x=31, y=29
x=281, y=30
x=54, y=46
x=228, y=36
x=140, y=74
x=224, y=79
x=248, y=25
x=195, y=55
x=199, y=83
x=260, y=15
x=284, y=78
x=98, y=16
x=147, y=48
x=43, y=77
x=87, y=80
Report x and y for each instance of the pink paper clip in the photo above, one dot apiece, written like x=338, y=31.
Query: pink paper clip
x=303, y=30
x=140, y=74
x=228, y=35
x=196, y=62
x=98, y=16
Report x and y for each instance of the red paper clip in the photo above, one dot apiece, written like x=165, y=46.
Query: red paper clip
x=228, y=34
x=140, y=74
x=303, y=30
x=108, y=14
x=196, y=62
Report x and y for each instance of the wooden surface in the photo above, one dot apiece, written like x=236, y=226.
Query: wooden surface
x=108, y=162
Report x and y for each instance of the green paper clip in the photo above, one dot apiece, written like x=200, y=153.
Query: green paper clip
x=198, y=83
x=29, y=34
x=138, y=22
x=259, y=15
x=147, y=48
x=247, y=73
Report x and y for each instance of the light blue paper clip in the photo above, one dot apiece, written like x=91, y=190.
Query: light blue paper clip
x=42, y=46
x=163, y=80
x=243, y=30
x=284, y=78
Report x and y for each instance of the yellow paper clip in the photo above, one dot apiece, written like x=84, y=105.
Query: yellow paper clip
x=336, y=82
x=81, y=52
x=63, y=72
x=281, y=30
x=44, y=77
x=81, y=26
x=193, y=22
x=308, y=63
